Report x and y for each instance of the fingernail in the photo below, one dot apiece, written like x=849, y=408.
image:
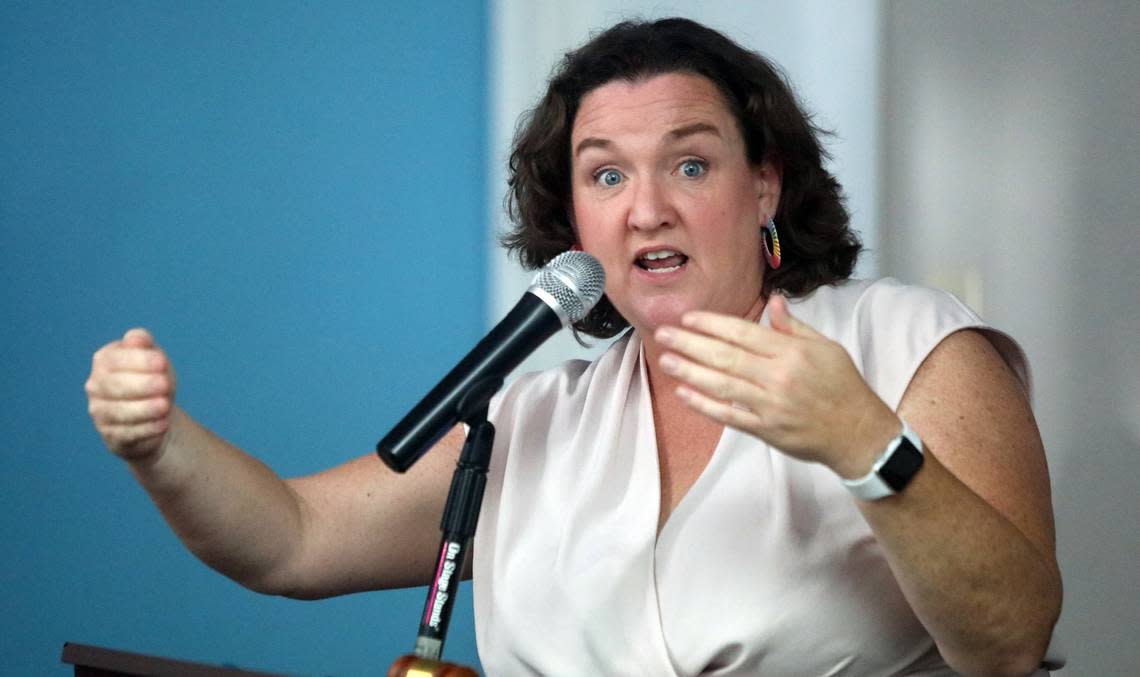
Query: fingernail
x=669, y=362
x=665, y=334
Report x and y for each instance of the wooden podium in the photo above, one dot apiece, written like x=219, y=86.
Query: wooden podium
x=93, y=661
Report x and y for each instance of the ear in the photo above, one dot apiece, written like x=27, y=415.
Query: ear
x=768, y=179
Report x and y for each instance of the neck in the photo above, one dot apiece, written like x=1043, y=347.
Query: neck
x=757, y=309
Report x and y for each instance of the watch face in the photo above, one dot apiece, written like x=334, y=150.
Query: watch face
x=900, y=468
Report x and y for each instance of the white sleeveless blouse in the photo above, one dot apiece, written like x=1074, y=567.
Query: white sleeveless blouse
x=766, y=567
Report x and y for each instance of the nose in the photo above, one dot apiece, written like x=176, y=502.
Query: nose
x=651, y=206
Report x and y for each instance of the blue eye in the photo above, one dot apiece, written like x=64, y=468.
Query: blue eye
x=608, y=177
x=692, y=168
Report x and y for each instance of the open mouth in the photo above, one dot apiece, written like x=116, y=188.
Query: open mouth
x=661, y=261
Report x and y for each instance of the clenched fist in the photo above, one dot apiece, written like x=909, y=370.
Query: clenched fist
x=130, y=395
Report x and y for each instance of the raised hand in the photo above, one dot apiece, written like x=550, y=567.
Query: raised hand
x=130, y=395
x=787, y=384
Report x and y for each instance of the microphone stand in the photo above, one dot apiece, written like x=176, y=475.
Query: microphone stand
x=460, y=517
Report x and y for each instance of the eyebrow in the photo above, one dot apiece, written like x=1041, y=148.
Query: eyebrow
x=695, y=128
x=591, y=142
x=674, y=135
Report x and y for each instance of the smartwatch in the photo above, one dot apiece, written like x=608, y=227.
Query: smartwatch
x=893, y=470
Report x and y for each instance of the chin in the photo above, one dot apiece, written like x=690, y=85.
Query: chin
x=660, y=314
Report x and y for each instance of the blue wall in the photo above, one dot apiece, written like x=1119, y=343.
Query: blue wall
x=290, y=196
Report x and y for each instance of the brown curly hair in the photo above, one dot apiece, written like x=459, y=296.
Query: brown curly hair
x=818, y=245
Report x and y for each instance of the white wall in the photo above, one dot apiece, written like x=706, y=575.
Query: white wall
x=997, y=146
x=1011, y=159
x=827, y=49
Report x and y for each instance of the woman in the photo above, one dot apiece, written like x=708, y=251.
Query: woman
x=681, y=505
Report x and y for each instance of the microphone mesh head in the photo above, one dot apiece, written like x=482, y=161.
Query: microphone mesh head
x=575, y=280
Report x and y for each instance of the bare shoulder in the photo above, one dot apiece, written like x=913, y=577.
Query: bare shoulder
x=967, y=405
x=367, y=527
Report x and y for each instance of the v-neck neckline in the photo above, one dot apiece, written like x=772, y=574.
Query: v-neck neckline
x=646, y=414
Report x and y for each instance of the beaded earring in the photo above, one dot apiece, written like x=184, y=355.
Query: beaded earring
x=771, y=252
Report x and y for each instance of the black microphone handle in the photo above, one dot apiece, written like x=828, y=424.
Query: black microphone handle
x=480, y=373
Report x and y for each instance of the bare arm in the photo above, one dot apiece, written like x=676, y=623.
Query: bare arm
x=358, y=526
x=971, y=539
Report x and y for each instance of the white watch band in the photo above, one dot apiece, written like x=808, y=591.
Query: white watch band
x=871, y=487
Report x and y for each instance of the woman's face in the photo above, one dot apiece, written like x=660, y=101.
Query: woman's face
x=664, y=196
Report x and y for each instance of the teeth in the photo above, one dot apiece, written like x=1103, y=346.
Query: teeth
x=661, y=254
x=662, y=270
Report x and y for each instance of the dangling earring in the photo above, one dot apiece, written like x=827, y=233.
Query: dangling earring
x=771, y=253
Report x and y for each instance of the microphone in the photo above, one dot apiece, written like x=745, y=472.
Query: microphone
x=560, y=295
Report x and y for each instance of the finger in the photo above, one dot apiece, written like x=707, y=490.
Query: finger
x=127, y=435
x=138, y=338
x=121, y=412
x=721, y=412
x=784, y=322
x=125, y=385
x=714, y=383
x=753, y=337
x=712, y=352
x=120, y=358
